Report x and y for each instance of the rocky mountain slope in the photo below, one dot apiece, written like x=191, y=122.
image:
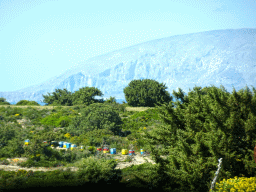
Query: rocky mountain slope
x=226, y=57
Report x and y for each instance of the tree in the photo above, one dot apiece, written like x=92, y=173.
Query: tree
x=96, y=116
x=146, y=93
x=26, y=102
x=7, y=133
x=110, y=100
x=3, y=101
x=209, y=124
x=59, y=97
x=84, y=96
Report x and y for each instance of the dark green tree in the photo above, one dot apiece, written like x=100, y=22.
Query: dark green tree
x=59, y=97
x=146, y=93
x=10, y=141
x=3, y=101
x=84, y=96
x=26, y=102
x=207, y=125
x=7, y=133
x=96, y=116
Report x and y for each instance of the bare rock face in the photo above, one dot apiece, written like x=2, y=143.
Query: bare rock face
x=226, y=57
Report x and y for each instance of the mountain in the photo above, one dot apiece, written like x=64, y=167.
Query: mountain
x=226, y=57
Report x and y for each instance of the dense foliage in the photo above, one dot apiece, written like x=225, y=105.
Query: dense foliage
x=85, y=96
x=26, y=102
x=59, y=97
x=206, y=126
x=96, y=116
x=146, y=93
x=3, y=101
x=236, y=184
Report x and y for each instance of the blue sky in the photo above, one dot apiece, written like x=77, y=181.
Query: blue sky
x=40, y=39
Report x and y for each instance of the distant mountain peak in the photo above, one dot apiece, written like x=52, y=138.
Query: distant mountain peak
x=216, y=57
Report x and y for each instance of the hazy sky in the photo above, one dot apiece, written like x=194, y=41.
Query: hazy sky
x=40, y=39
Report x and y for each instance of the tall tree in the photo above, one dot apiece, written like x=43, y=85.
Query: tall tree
x=146, y=93
x=208, y=125
x=59, y=97
x=85, y=96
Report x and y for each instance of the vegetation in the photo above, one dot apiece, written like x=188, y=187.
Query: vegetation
x=237, y=184
x=146, y=92
x=3, y=101
x=206, y=125
x=26, y=102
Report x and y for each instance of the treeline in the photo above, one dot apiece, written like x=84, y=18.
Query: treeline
x=139, y=93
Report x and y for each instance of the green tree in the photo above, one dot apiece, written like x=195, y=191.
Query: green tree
x=84, y=96
x=206, y=125
x=96, y=116
x=59, y=97
x=7, y=133
x=3, y=101
x=110, y=100
x=26, y=102
x=10, y=141
x=146, y=93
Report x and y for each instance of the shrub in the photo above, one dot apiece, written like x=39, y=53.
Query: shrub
x=4, y=162
x=3, y=101
x=96, y=170
x=57, y=119
x=31, y=113
x=236, y=184
x=96, y=116
x=28, y=163
x=26, y=102
x=148, y=114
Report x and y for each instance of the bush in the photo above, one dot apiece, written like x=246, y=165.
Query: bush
x=236, y=184
x=28, y=163
x=3, y=101
x=4, y=162
x=57, y=119
x=96, y=170
x=26, y=102
x=31, y=113
x=11, y=111
x=148, y=114
x=96, y=116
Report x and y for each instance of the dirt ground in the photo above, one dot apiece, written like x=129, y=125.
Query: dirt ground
x=136, y=159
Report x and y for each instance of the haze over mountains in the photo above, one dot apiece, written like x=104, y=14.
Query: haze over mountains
x=226, y=57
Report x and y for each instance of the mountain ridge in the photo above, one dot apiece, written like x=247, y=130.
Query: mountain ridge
x=216, y=57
